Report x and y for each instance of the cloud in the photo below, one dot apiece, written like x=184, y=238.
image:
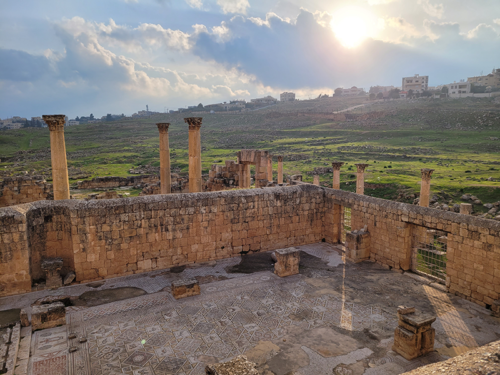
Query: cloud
x=482, y=32
x=233, y=6
x=432, y=10
x=198, y=4
x=22, y=66
x=380, y=2
x=497, y=21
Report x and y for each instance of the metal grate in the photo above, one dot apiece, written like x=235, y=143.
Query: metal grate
x=429, y=254
x=346, y=223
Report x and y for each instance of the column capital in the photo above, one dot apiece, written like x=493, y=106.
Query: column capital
x=193, y=122
x=54, y=122
x=336, y=165
x=426, y=174
x=163, y=126
x=361, y=167
x=280, y=158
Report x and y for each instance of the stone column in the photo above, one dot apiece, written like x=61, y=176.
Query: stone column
x=466, y=208
x=164, y=159
x=60, y=179
x=425, y=187
x=336, y=174
x=280, y=169
x=316, y=180
x=270, y=168
x=360, y=179
x=194, y=154
x=261, y=169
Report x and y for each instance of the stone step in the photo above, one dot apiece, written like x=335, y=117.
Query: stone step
x=4, y=346
x=23, y=355
x=13, y=347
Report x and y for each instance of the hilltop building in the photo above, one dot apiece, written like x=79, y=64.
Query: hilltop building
x=287, y=97
x=490, y=80
x=266, y=100
x=353, y=91
x=381, y=89
x=457, y=88
x=416, y=83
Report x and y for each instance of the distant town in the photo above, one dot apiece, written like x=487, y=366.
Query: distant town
x=413, y=87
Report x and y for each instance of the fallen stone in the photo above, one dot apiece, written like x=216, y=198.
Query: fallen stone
x=25, y=322
x=287, y=262
x=240, y=365
x=185, y=288
x=402, y=310
x=68, y=279
x=48, y=316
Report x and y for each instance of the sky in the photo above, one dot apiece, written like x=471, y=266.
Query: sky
x=117, y=56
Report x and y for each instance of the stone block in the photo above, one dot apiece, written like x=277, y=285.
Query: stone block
x=287, y=262
x=48, y=316
x=52, y=266
x=25, y=322
x=466, y=208
x=68, y=279
x=358, y=246
x=239, y=365
x=414, y=335
x=185, y=288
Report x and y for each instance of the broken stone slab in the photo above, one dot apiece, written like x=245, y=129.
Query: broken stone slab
x=239, y=365
x=185, y=288
x=48, y=315
x=52, y=266
x=414, y=336
x=66, y=300
x=403, y=310
x=287, y=262
x=68, y=279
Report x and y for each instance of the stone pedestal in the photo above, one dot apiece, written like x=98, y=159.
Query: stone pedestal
x=466, y=208
x=425, y=187
x=52, y=267
x=414, y=336
x=165, y=177
x=357, y=246
x=239, y=365
x=336, y=174
x=185, y=288
x=261, y=169
x=48, y=316
x=360, y=179
x=316, y=180
x=280, y=169
x=195, y=181
x=287, y=262
x=60, y=179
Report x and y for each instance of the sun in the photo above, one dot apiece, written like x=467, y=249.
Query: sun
x=350, y=26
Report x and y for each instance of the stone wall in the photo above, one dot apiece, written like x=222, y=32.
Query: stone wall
x=114, y=182
x=223, y=177
x=108, y=238
x=19, y=190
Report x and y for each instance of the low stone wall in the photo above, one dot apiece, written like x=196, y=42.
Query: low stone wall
x=114, y=182
x=19, y=190
x=108, y=238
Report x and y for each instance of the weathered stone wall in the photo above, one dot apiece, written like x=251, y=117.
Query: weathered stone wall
x=19, y=190
x=14, y=252
x=114, y=182
x=107, y=238
x=473, y=244
x=223, y=177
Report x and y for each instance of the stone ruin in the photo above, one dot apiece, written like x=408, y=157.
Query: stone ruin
x=19, y=190
x=115, y=182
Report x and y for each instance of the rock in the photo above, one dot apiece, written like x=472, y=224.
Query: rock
x=488, y=205
x=403, y=310
x=456, y=208
x=25, y=322
x=497, y=217
x=48, y=316
x=493, y=211
x=477, y=201
x=465, y=197
x=185, y=288
x=68, y=279
x=237, y=366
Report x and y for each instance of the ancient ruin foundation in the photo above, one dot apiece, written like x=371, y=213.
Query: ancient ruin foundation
x=60, y=179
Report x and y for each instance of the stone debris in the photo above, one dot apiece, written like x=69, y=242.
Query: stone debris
x=25, y=322
x=240, y=365
x=185, y=288
x=68, y=279
x=48, y=316
x=287, y=262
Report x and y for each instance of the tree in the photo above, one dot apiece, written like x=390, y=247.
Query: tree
x=91, y=116
x=426, y=93
x=444, y=90
x=410, y=93
x=200, y=105
x=380, y=96
x=338, y=91
x=109, y=117
x=77, y=118
x=394, y=93
x=372, y=96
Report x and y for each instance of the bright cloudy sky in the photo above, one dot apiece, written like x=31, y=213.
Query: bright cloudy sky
x=116, y=56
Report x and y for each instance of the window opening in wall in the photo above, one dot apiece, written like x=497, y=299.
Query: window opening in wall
x=346, y=223
x=430, y=253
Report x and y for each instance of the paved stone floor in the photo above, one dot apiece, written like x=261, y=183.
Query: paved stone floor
x=332, y=318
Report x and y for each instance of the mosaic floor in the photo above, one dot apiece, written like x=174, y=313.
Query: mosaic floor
x=156, y=334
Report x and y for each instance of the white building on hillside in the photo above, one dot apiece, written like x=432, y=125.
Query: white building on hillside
x=353, y=91
x=287, y=97
x=416, y=83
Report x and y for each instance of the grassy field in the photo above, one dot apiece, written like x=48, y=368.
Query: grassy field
x=458, y=138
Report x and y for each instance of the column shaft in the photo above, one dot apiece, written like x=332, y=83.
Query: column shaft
x=336, y=174
x=165, y=176
x=425, y=187
x=60, y=180
x=270, y=168
x=360, y=179
x=280, y=169
x=316, y=180
x=195, y=181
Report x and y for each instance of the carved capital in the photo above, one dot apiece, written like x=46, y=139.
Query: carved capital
x=426, y=174
x=280, y=158
x=361, y=167
x=163, y=126
x=193, y=122
x=54, y=122
x=336, y=165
